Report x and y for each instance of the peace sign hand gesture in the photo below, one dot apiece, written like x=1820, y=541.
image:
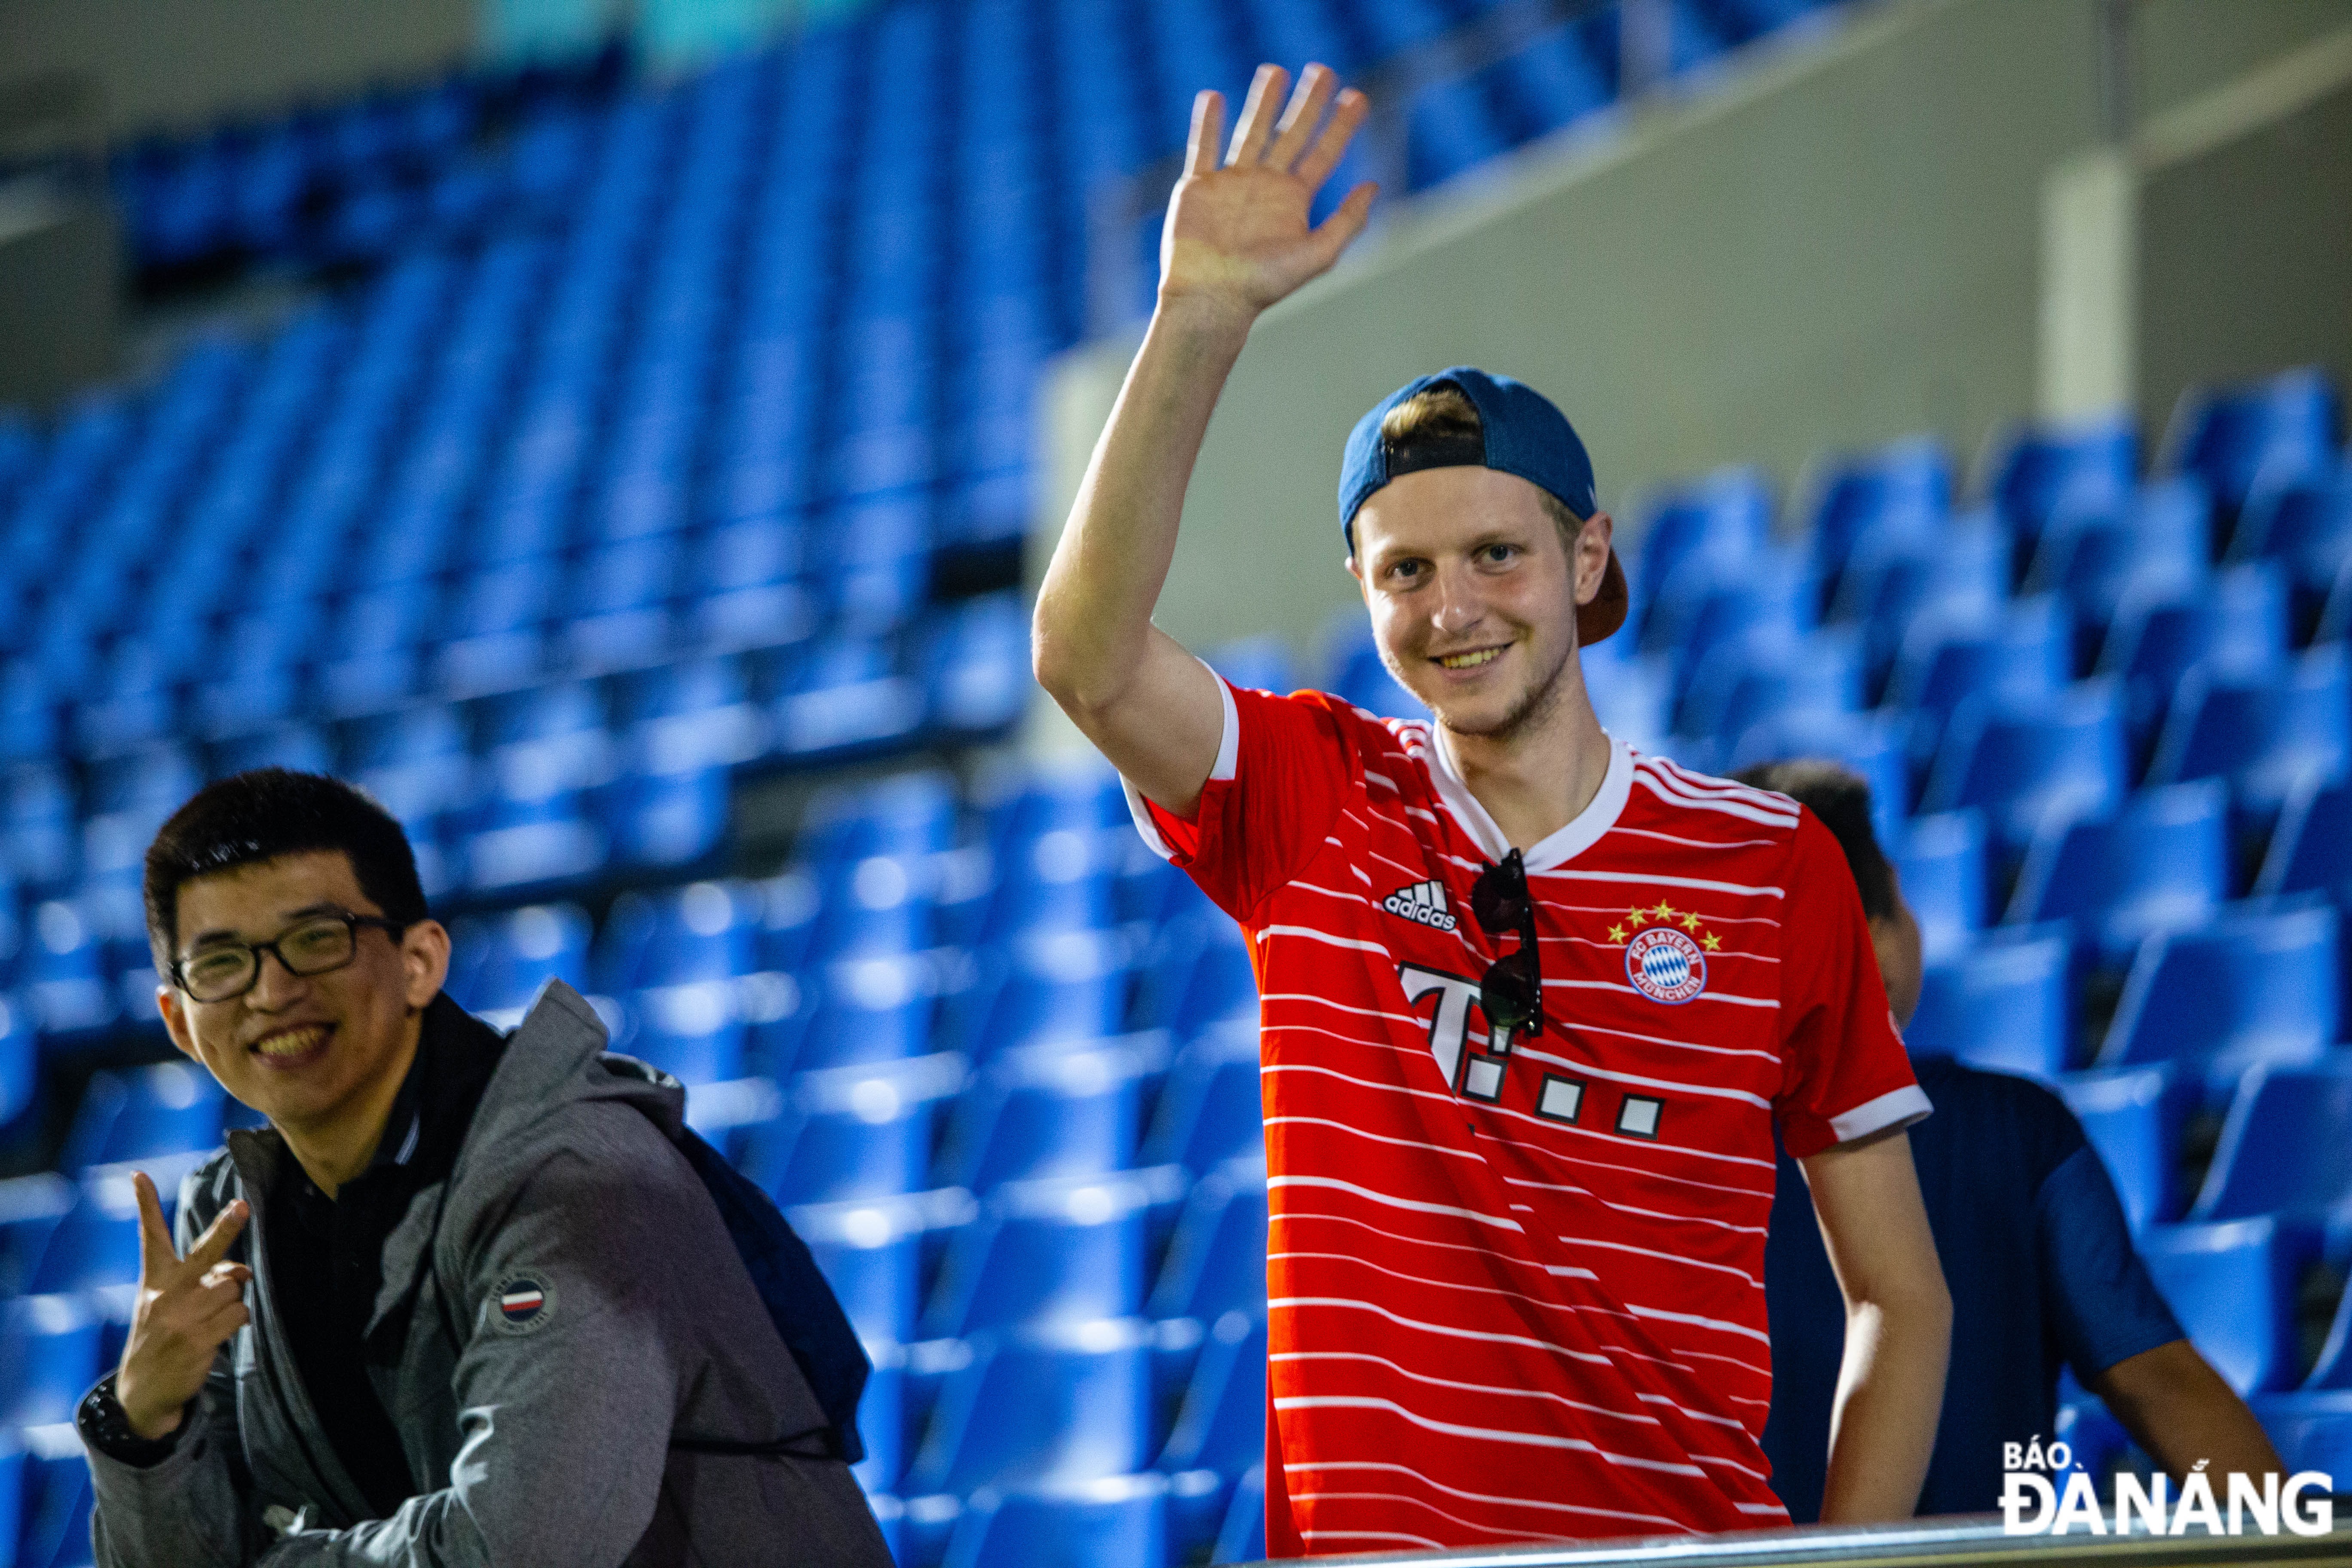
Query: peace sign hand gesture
x=1237, y=237
x=187, y=1309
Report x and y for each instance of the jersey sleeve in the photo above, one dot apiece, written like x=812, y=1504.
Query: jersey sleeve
x=1845, y=1072
x=1283, y=770
x=2105, y=1306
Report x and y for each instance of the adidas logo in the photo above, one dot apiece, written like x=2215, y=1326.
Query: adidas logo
x=1423, y=902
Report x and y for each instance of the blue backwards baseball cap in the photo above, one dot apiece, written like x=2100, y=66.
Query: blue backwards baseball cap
x=1520, y=432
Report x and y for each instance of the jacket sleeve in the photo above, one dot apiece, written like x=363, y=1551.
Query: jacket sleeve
x=567, y=1379
x=189, y=1509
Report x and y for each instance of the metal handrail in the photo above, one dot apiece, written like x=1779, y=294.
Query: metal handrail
x=1954, y=1543
x=1496, y=36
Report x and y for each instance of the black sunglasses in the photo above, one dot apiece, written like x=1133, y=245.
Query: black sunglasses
x=1511, y=995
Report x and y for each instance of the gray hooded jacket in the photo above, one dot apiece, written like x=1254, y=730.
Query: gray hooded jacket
x=535, y=1437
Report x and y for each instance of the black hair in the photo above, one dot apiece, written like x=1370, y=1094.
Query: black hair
x=1841, y=800
x=260, y=816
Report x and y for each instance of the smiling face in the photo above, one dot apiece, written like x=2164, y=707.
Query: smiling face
x=322, y=1056
x=1472, y=592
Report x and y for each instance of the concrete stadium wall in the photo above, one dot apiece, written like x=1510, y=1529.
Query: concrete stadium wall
x=1837, y=245
x=191, y=62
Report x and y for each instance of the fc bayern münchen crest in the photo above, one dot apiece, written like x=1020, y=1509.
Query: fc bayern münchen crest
x=1666, y=965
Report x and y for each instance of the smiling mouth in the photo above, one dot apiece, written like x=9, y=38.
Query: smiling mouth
x=1470, y=661
x=283, y=1046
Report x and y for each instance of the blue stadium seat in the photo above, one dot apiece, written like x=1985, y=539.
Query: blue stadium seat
x=2305, y=524
x=1196, y=974
x=1706, y=606
x=97, y=1241
x=2159, y=863
x=1900, y=490
x=871, y=1254
x=30, y=1210
x=1757, y=680
x=2235, y=630
x=2233, y=437
x=2257, y=985
x=1941, y=862
x=2159, y=540
x=54, y=1524
x=978, y=665
x=847, y=697
x=1872, y=745
x=2311, y=1431
x=1216, y=1260
x=2312, y=846
x=856, y=1132
x=2003, y=1005
x=874, y=1008
x=2036, y=471
x=1048, y=1404
x=2133, y=1117
x=2264, y=735
x=617, y=606
x=1117, y=1522
x=64, y=972
x=2031, y=762
x=170, y=1109
x=1725, y=517
x=1220, y=1430
x=1631, y=692
x=1241, y=1537
x=1209, y=1110
x=2024, y=651
x=882, y=1419
x=878, y=904
x=1051, y=1250
x=2334, y=1368
x=1959, y=575
x=1057, y=986
x=695, y=1030
x=49, y=1356
x=2232, y=1286
x=498, y=964
x=20, y=1062
x=1049, y=1110
x=704, y=931
x=2283, y=1149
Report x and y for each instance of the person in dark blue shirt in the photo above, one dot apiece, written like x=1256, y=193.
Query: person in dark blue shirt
x=2034, y=1245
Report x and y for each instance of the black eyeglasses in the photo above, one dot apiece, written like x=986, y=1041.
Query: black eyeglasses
x=317, y=945
x=1511, y=995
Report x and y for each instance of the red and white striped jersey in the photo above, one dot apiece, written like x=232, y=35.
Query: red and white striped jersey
x=1520, y=1296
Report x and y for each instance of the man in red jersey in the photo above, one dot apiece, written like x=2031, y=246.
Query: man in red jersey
x=1532, y=1003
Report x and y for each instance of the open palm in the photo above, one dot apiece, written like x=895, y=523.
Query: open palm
x=1237, y=233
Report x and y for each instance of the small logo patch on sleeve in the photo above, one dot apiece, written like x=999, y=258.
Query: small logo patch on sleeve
x=523, y=1303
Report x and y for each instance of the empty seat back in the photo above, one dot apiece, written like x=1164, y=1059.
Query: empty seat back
x=1049, y=1404
x=856, y=1132
x=1941, y=862
x=2004, y=1006
x=1118, y=1521
x=2286, y=1147
x=2232, y=1286
x=2133, y=1117
x=1216, y=1260
x=1050, y=1111
x=2254, y=984
x=2161, y=863
x=2031, y=762
x=1051, y=1250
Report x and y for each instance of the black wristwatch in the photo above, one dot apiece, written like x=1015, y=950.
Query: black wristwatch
x=106, y=1427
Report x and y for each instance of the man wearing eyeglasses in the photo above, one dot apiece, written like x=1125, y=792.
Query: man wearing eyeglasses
x=464, y=1300
x=1532, y=1004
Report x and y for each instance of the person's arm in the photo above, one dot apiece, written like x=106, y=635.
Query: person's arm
x=1898, y=1328
x=2177, y=1407
x=1236, y=240
x=184, y=1509
x=566, y=1419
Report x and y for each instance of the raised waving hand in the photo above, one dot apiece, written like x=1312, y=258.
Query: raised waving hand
x=1237, y=234
x=187, y=1309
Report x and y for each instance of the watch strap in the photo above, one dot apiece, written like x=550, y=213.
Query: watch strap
x=105, y=1426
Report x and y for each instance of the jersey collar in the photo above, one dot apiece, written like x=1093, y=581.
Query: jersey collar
x=1557, y=849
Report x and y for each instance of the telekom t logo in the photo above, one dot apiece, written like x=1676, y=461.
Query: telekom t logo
x=1449, y=1031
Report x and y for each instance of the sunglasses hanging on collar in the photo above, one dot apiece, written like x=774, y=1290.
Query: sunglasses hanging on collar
x=1511, y=994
